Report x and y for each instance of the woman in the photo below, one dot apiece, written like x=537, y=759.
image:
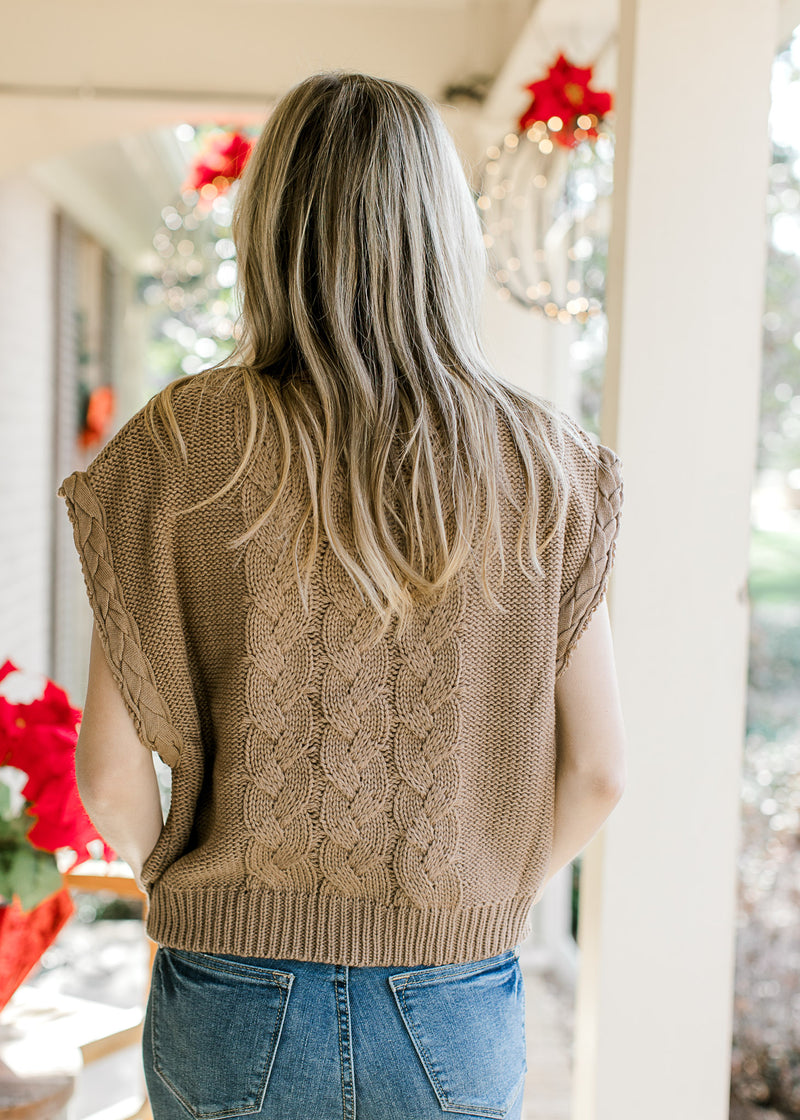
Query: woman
x=338, y=585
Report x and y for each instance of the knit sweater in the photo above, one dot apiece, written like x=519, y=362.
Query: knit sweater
x=335, y=797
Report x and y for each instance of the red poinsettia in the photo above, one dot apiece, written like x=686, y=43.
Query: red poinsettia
x=39, y=738
x=565, y=93
x=221, y=161
x=40, y=812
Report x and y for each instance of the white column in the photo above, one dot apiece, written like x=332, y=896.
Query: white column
x=685, y=298
x=27, y=488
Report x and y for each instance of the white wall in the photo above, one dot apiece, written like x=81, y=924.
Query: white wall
x=26, y=422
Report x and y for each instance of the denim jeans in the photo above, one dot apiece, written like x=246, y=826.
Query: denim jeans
x=228, y=1036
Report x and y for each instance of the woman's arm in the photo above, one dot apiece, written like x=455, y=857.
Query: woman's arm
x=116, y=778
x=590, y=740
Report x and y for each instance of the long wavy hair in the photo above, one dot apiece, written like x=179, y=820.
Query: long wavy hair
x=361, y=267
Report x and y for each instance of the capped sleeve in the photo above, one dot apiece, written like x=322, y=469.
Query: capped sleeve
x=593, y=522
x=122, y=513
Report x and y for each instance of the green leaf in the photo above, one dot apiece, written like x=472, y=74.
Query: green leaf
x=29, y=873
x=14, y=833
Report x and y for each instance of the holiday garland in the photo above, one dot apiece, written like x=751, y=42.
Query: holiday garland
x=540, y=193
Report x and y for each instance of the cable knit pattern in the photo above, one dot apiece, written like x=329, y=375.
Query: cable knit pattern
x=339, y=797
x=354, y=854
x=279, y=776
x=117, y=627
x=579, y=604
x=428, y=706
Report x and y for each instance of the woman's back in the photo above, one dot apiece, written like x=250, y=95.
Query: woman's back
x=320, y=769
x=340, y=585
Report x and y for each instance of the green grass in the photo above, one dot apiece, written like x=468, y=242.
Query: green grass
x=775, y=566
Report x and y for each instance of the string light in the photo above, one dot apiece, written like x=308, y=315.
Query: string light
x=517, y=179
x=192, y=276
x=540, y=192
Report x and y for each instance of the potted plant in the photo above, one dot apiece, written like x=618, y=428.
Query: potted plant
x=44, y=829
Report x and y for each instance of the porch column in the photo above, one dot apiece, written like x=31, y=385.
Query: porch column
x=681, y=403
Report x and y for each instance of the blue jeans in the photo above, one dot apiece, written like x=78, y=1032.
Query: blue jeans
x=228, y=1036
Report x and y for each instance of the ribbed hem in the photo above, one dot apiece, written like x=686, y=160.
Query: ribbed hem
x=333, y=930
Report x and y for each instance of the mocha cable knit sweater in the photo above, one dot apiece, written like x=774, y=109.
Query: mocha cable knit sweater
x=334, y=798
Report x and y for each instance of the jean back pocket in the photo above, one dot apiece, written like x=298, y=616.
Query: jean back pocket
x=215, y=1027
x=467, y=1024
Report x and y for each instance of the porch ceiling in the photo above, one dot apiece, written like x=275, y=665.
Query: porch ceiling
x=90, y=90
x=127, y=62
x=89, y=102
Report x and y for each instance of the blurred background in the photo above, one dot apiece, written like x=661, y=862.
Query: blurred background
x=649, y=283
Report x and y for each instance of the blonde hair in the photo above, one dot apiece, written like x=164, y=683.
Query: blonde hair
x=361, y=266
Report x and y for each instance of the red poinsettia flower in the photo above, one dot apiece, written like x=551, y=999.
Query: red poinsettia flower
x=565, y=93
x=39, y=738
x=222, y=161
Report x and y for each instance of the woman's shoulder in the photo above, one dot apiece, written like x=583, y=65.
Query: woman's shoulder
x=551, y=430
x=200, y=394
x=189, y=423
